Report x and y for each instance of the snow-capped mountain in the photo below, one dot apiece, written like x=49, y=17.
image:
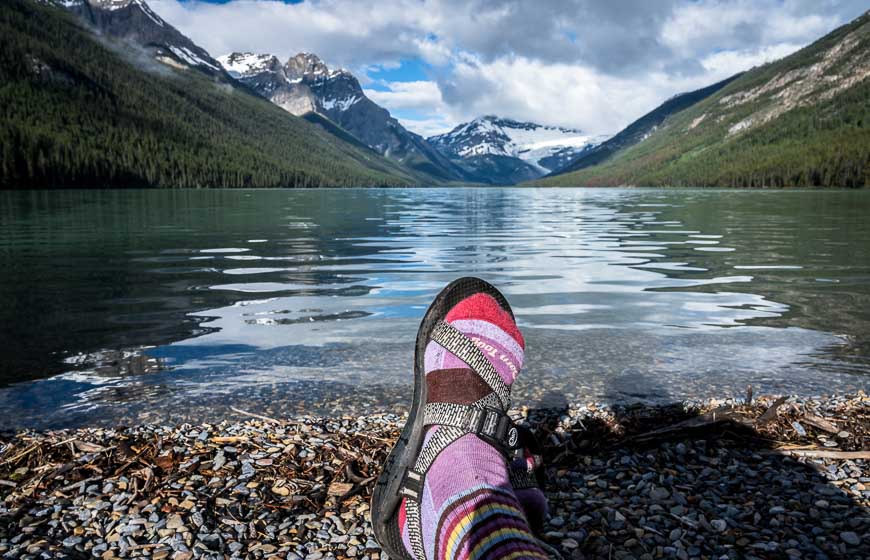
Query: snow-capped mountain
x=134, y=21
x=305, y=85
x=535, y=149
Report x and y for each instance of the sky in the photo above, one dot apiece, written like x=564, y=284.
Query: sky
x=593, y=65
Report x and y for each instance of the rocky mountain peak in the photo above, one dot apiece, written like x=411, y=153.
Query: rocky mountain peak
x=305, y=65
x=305, y=86
x=244, y=64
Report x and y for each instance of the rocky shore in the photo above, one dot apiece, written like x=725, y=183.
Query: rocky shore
x=758, y=478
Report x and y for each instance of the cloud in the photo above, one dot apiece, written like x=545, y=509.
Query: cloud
x=408, y=95
x=418, y=104
x=589, y=64
x=429, y=126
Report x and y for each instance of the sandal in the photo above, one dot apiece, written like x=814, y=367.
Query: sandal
x=406, y=467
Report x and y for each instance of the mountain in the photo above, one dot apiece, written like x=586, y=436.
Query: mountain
x=505, y=151
x=640, y=129
x=133, y=21
x=803, y=120
x=304, y=84
x=80, y=109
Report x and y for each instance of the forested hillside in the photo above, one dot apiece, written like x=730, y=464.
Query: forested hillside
x=642, y=128
x=803, y=121
x=79, y=111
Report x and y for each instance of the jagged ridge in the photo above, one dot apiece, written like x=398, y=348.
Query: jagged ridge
x=304, y=84
x=82, y=111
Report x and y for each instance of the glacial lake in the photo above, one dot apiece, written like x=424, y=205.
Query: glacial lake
x=173, y=306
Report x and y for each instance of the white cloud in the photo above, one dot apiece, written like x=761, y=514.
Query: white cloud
x=563, y=94
x=589, y=64
x=420, y=99
x=408, y=95
x=430, y=126
x=728, y=63
x=713, y=25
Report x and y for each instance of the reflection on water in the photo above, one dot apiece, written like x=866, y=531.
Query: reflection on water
x=119, y=305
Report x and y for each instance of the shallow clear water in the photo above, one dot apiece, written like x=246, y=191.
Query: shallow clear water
x=122, y=306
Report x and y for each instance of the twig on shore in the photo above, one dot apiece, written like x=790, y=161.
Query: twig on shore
x=820, y=423
x=769, y=414
x=254, y=415
x=821, y=453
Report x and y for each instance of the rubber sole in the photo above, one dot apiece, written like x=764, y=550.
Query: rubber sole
x=385, y=498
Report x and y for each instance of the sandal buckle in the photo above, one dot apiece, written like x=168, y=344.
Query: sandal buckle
x=495, y=428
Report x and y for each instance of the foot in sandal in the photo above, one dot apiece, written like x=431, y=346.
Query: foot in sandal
x=447, y=490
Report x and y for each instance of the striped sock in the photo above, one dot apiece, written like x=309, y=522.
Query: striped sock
x=468, y=508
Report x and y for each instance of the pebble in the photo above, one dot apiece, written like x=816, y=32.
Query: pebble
x=258, y=489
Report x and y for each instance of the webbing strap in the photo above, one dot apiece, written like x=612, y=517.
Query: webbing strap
x=466, y=350
x=489, y=424
x=521, y=479
x=415, y=528
x=486, y=418
x=412, y=488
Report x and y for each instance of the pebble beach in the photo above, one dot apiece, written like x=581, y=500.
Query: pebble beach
x=767, y=477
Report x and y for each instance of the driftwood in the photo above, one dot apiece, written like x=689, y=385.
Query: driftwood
x=258, y=416
x=821, y=453
x=715, y=418
x=770, y=424
x=820, y=423
x=770, y=414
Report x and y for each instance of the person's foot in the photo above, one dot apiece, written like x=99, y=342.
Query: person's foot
x=445, y=491
x=468, y=508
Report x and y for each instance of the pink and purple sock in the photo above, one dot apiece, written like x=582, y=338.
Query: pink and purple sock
x=468, y=508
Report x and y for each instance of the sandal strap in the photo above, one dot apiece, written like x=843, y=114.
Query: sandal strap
x=488, y=423
x=455, y=342
x=415, y=529
x=486, y=418
x=412, y=485
x=454, y=421
x=522, y=479
x=526, y=469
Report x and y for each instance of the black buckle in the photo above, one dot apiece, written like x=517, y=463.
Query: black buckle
x=494, y=427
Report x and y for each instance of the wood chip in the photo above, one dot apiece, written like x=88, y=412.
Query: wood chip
x=339, y=488
x=770, y=413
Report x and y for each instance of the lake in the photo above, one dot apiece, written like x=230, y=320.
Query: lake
x=172, y=306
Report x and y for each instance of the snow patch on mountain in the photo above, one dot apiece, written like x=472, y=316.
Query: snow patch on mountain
x=340, y=104
x=190, y=58
x=239, y=65
x=151, y=14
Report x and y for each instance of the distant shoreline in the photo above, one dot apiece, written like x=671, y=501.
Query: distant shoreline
x=437, y=187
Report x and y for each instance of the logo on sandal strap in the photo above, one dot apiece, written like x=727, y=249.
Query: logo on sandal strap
x=513, y=437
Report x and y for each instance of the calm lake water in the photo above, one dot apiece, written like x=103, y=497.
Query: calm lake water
x=123, y=306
